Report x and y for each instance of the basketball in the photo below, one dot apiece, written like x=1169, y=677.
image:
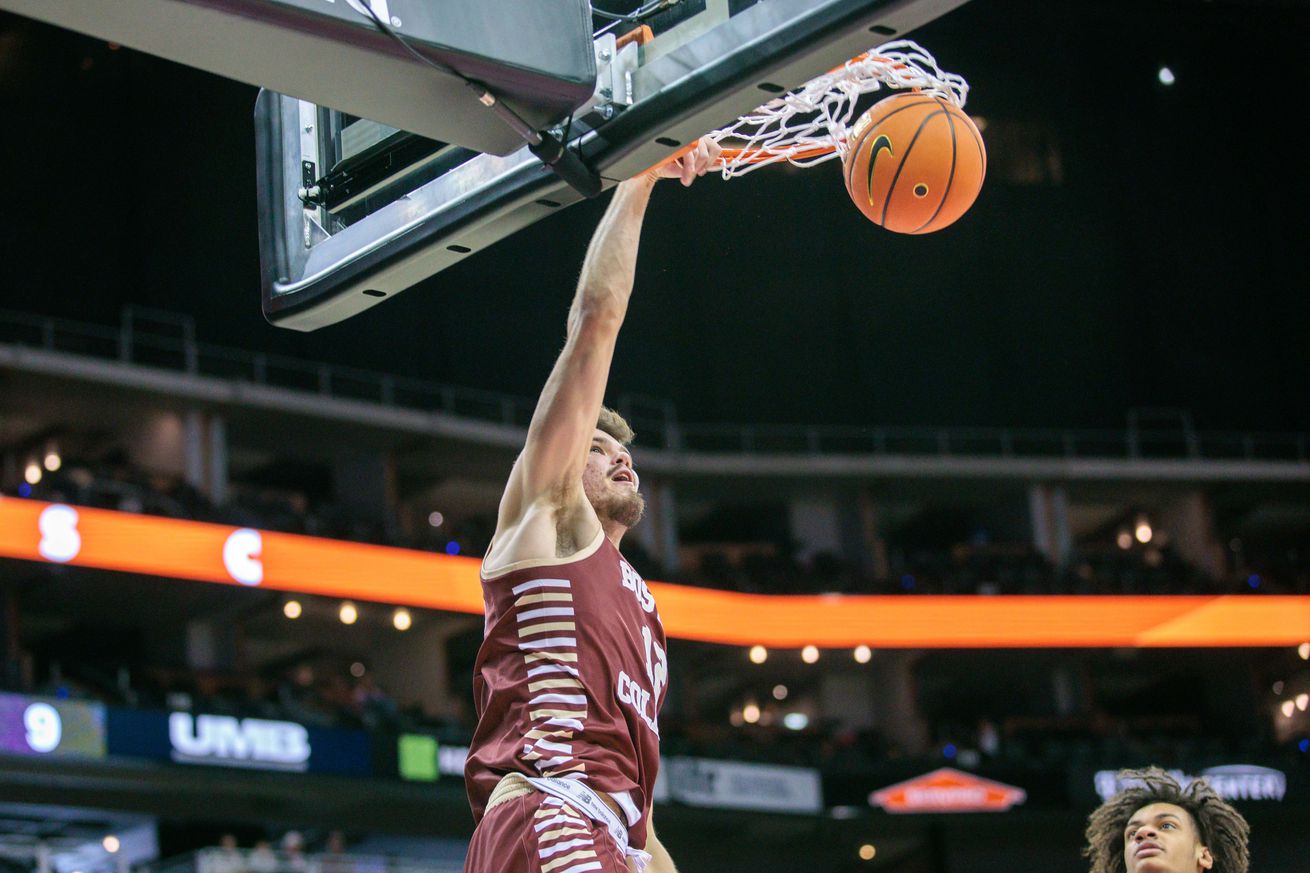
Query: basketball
x=914, y=163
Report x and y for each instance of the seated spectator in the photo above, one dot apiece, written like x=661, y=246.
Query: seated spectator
x=226, y=858
x=262, y=859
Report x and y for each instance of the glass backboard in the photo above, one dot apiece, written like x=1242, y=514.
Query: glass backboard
x=393, y=136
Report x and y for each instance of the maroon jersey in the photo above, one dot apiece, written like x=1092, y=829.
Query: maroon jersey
x=570, y=679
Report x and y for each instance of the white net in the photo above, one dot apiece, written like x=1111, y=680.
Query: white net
x=809, y=125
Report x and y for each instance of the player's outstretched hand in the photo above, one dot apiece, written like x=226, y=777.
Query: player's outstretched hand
x=695, y=160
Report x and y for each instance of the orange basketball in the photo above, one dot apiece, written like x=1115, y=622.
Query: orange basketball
x=914, y=163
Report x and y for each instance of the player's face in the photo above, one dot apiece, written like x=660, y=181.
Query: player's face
x=1162, y=838
x=610, y=483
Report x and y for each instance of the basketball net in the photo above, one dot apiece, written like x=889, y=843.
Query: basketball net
x=809, y=125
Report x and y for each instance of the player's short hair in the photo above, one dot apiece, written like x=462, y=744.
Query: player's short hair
x=1219, y=826
x=613, y=424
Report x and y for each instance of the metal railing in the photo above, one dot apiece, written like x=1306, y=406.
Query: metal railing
x=654, y=419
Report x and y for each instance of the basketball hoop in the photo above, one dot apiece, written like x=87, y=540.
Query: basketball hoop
x=810, y=125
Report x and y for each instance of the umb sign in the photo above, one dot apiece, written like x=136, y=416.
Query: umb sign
x=948, y=790
x=238, y=742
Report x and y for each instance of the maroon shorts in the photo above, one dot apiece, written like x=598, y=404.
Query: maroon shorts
x=537, y=833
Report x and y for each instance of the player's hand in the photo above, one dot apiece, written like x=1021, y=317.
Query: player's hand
x=695, y=160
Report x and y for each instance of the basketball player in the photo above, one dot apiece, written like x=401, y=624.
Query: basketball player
x=1156, y=826
x=571, y=673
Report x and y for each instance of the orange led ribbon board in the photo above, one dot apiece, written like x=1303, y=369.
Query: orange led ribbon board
x=187, y=550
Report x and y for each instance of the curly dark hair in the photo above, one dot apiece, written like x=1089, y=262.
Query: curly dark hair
x=1220, y=827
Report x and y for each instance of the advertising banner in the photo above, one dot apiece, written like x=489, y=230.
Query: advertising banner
x=48, y=726
x=421, y=758
x=1231, y=781
x=948, y=790
x=735, y=785
x=228, y=741
x=171, y=548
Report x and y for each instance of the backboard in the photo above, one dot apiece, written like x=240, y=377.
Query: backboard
x=392, y=137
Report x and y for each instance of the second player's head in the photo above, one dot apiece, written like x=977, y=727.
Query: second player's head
x=609, y=480
x=1157, y=826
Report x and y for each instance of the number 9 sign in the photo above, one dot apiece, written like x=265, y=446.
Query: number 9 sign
x=44, y=727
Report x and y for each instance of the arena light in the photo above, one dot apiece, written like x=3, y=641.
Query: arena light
x=862, y=654
x=182, y=551
x=348, y=613
x=1304, y=651
x=111, y=844
x=759, y=654
x=32, y=473
x=1143, y=531
x=1302, y=701
x=795, y=721
x=1124, y=540
x=401, y=619
x=52, y=461
x=780, y=692
x=436, y=519
x=810, y=654
x=868, y=852
x=292, y=609
x=1166, y=76
x=357, y=670
x=1288, y=708
x=750, y=713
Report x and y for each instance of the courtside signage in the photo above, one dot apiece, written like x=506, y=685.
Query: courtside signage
x=738, y=785
x=1231, y=781
x=188, y=550
x=948, y=790
x=50, y=727
x=238, y=742
x=421, y=758
x=228, y=741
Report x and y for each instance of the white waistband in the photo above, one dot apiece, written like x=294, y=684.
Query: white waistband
x=589, y=803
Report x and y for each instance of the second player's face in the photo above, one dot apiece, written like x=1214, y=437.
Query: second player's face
x=1162, y=838
x=610, y=482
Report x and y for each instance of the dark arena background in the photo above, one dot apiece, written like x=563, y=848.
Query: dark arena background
x=1096, y=384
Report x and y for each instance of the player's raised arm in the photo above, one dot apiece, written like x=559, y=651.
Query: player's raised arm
x=549, y=471
x=566, y=413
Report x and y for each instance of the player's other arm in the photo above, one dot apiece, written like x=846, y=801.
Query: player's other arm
x=660, y=862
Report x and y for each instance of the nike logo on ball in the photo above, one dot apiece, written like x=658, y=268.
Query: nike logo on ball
x=879, y=145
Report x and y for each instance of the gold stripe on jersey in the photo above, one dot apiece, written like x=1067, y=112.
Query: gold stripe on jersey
x=550, y=835
x=557, y=713
x=567, y=859
x=528, y=599
x=539, y=734
x=548, y=626
x=554, y=683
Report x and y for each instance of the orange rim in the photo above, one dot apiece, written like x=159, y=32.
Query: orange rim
x=757, y=156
